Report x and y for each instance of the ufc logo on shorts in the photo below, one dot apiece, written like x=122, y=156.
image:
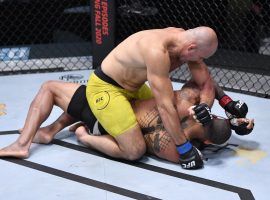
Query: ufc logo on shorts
x=189, y=165
x=99, y=99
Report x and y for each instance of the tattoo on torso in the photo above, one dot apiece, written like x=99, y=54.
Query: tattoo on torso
x=156, y=136
x=149, y=118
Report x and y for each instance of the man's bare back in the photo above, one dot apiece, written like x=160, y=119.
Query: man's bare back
x=126, y=63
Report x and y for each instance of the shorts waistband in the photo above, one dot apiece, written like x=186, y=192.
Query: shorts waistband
x=100, y=74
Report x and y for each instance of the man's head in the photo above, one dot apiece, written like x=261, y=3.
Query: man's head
x=199, y=43
x=219, y=131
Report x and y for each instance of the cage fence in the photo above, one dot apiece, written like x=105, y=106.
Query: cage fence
x=54, y=35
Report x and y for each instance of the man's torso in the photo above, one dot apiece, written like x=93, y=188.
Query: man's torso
x=126, y=63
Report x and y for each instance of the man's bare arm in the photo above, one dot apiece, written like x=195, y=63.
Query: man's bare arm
x=158, y=68
x=237, y=109
x=158, y=65
x=202, y=77
x=219, y=93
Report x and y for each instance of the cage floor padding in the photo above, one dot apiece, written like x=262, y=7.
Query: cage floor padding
x=66, y=170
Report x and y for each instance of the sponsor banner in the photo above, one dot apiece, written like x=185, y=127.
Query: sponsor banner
x=103, y=26
x=74, y=78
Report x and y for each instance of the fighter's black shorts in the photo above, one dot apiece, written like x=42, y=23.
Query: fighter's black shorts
x=80, y=110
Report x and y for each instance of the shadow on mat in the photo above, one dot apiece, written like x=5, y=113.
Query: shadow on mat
x=217, y=154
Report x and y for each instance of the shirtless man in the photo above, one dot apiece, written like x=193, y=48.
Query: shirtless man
x=151, y=55
x=158, y=141
x=71, y=98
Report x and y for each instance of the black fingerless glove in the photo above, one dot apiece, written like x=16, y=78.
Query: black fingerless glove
x=192, y=158
x=203, y=113
x=237, y=109
x=240, y=129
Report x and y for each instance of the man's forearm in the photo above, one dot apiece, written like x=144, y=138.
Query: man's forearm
x=172, y=124
x=237, y=109
x=219, y=93
x=202, y=77
x=63, y=121
x=207, y=94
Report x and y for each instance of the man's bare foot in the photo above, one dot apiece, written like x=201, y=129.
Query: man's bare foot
x=14, y=150
x=75, y=126
x=45, y=135
x=81, y=132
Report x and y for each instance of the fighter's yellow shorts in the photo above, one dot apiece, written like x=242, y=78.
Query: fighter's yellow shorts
x=110, y=102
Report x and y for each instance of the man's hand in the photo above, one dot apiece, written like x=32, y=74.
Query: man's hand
x=192, y=159
x=201, y=113
x=234, y=109
x=242, y=126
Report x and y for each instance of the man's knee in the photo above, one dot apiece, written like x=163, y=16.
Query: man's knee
x=135, y=152
x=47, y=86
x=131, y=143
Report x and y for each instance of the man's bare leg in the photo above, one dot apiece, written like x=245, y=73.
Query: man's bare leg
x=96, y=142
x=45, y=134
x=51, y=93
x=92, y=141
x=113, y=146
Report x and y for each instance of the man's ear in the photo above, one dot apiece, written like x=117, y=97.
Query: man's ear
x=192, y=48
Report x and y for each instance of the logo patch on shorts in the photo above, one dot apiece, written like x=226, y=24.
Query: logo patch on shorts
x=101, y=99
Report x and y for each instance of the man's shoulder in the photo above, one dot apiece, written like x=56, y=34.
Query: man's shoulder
x=171, y=28
x=152, y=45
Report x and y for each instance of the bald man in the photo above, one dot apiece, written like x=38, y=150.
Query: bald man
x=147, y=55
x=151, y=55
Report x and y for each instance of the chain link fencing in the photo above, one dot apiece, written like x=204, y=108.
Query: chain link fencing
x=44, y=35
x=54, y=35
x=242, y=61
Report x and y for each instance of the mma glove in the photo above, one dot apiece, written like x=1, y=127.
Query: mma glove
x=234, y=109
x=192, y=158
x=203, y=114
x=240, y=129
